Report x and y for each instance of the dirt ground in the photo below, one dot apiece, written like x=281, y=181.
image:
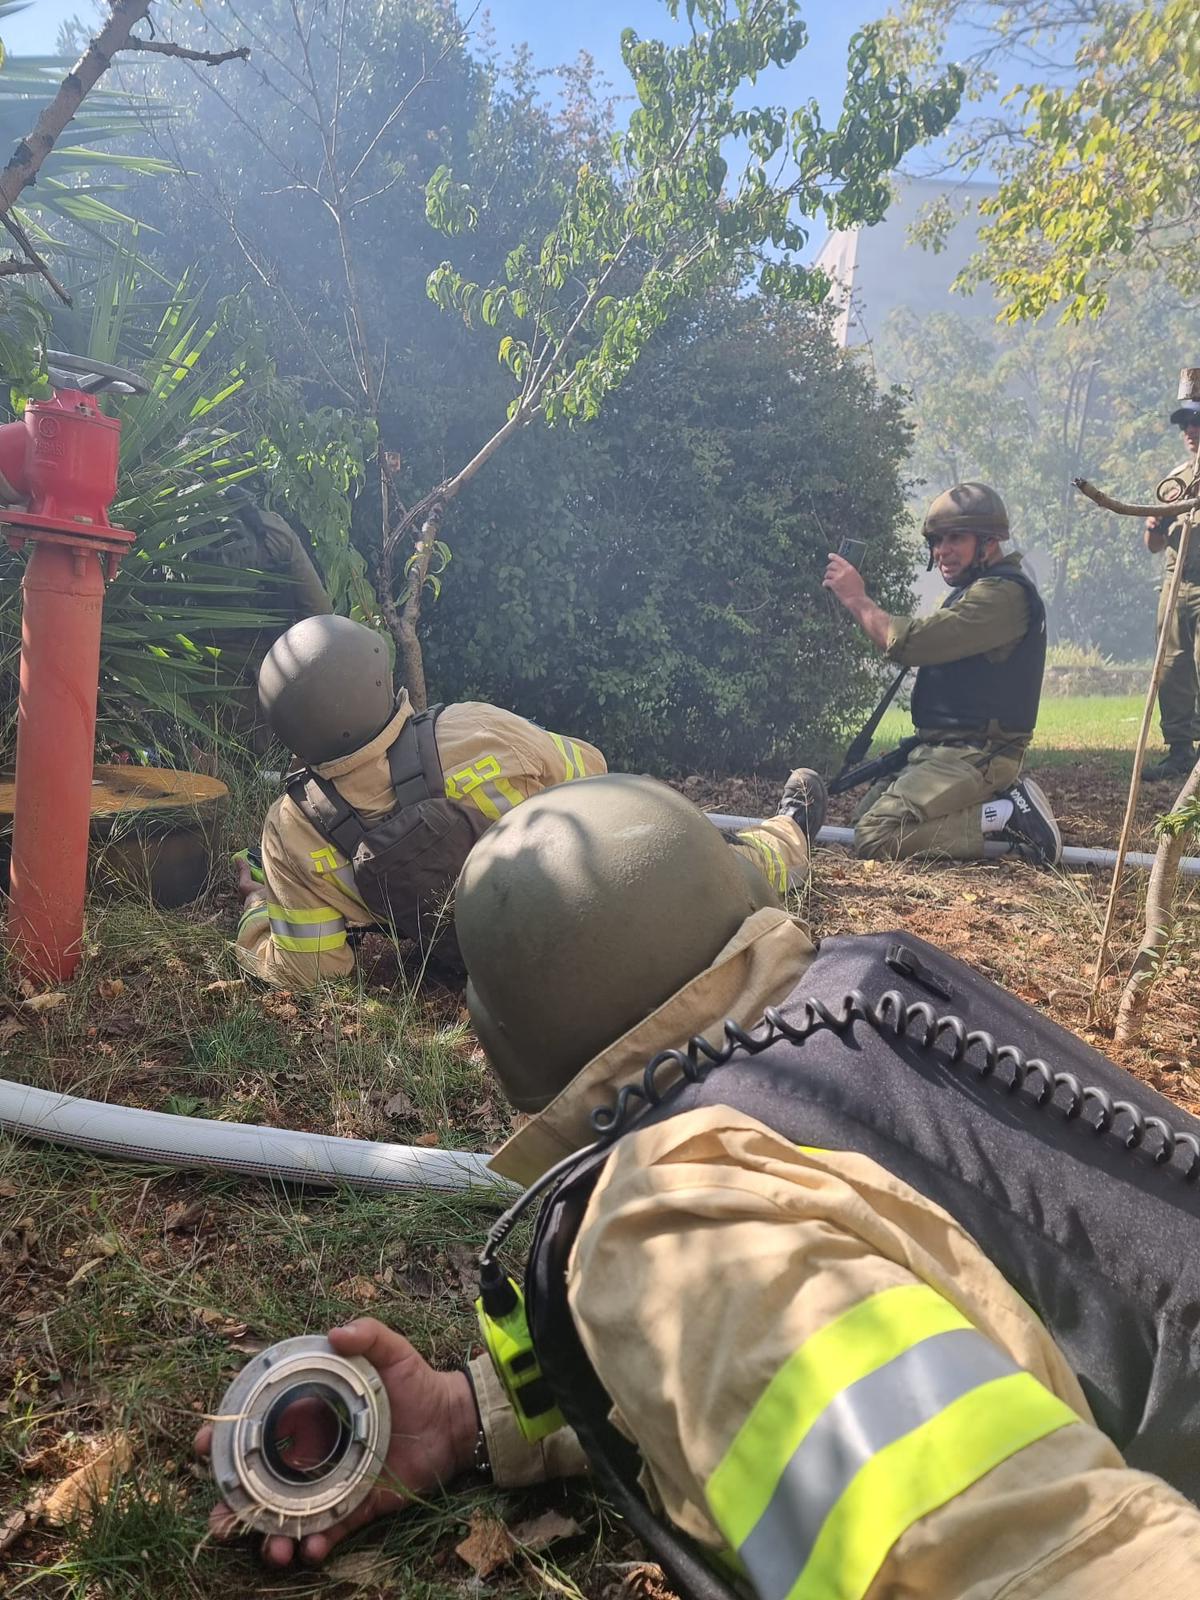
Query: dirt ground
x=1035, y=932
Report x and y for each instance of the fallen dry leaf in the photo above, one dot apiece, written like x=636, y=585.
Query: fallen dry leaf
x=400, y=1106
x=11, y=1528
x=81, y=1490
x=37, y=1003
x=85, y=1270
x=427, y=1140
x=538, y=1532
x=488, y=1545
x=9, y=1028
x=182, y=1217
x=217, y=1322
x=8, y=1191
x=358, y=1289
x=110, y=988
x=220, y=985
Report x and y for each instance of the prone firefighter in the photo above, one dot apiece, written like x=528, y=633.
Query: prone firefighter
x=1179, y=687
x=378, y=820
x=980, y=661
x=882, y=1285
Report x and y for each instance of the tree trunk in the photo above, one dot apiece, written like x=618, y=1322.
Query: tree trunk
x=1160, y=920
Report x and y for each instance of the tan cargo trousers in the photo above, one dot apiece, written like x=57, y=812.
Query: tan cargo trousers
x=779, y=850
x=1179, y=690
x=932, y=807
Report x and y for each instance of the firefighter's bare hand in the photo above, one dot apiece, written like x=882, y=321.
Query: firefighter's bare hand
x=434, y=1428
x=246, y=885
x=845, y=580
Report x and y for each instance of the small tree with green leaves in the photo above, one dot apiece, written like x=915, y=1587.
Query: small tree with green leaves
x=701, y=191
x=1097, y=152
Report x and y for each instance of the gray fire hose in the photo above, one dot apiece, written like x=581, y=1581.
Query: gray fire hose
x=189, y=1142
x=1072, y=856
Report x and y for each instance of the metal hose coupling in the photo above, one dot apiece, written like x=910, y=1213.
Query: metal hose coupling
x=301, y=1437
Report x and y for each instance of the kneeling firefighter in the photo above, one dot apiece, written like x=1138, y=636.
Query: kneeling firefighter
x=882, y=1284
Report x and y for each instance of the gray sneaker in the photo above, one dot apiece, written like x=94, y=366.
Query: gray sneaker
x=804, y=799
x=1032, y=830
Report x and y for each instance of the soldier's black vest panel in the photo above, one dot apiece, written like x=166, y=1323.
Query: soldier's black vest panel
x=971, y=693
x=1088, y=1203
x=405, y=864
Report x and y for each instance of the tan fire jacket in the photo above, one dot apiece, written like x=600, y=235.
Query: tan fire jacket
x=294, y=932
x=820, y=1369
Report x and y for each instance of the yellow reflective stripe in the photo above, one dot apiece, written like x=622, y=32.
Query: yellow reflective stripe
x=306, y=928
x=580, y=769
x=485, y=803
x=772, y=865
x=920, y=1472
x=509, y=793
x=560, y=746
x=305, y=914
x=837, y=1355
x=310, y=942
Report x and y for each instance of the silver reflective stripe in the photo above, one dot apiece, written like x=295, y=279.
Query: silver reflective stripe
x=872, y=1413
x=308, y=930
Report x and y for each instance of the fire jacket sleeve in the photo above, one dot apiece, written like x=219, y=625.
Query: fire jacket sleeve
x=306, y=593
x=989, y=620
x=493, y=759
x=831, y=1385
x=297, y=935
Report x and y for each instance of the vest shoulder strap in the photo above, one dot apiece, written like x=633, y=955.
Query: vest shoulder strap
x=330, y=813
x=413, y=761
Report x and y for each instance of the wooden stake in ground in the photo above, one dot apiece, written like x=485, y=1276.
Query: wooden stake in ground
x=1135, y=782
x=1160, y=919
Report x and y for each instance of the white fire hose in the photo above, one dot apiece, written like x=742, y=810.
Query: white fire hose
x=1072, y=856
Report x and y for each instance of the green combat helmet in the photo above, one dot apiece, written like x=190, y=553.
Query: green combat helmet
x=968, y=508
x=326, y=688
x=579, y=913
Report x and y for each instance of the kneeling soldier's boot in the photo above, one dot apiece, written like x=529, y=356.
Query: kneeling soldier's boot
x=1177, y=763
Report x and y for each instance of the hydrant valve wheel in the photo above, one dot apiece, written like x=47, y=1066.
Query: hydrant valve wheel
x=301, y=1437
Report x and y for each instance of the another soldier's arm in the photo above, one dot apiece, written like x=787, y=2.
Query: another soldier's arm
x=294, y=932
x=993, y=615
x=850, y=1399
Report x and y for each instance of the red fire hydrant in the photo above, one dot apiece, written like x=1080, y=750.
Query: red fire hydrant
x=61, y=459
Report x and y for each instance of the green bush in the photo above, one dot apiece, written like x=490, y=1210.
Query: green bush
x=654, y=582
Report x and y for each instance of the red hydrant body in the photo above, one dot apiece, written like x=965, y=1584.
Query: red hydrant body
x=63, y=456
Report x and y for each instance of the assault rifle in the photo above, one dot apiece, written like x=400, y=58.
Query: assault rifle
x=871, y=771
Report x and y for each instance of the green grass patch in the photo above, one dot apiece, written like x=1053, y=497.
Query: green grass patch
x=1069, y=727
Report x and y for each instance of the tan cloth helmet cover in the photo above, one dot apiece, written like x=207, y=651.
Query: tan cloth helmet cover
x=579, y=913
x=326, y=688
x=968, y=508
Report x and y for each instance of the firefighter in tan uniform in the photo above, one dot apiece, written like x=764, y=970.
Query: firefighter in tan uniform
x=979, y=661
x=761, y=1291
x=358, y=842
x=1179, y=690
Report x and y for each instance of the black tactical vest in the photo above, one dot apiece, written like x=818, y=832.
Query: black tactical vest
x=973, y=693
x=1080, y=1184
x=405, y=864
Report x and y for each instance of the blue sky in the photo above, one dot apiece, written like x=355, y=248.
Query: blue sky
x=557, y=33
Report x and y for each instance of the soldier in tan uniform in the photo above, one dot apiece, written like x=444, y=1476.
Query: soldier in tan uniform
x=1179, y=690
x=979, y=661
x=375, y=827
x=759, y=1289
